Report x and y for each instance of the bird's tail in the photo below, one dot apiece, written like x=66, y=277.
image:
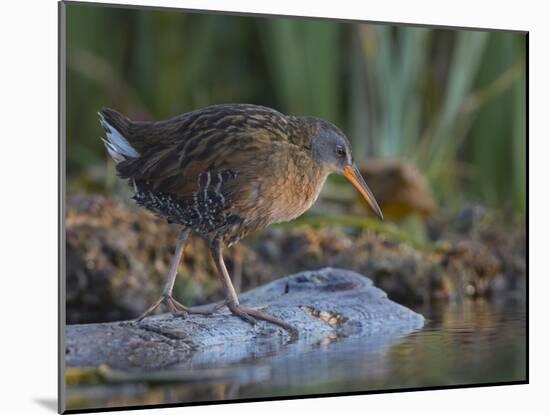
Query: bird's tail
x=115, y=126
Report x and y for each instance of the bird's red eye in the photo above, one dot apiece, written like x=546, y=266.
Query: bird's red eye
x=340, y=151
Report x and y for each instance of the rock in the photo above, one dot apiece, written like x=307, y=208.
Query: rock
x=323, y=305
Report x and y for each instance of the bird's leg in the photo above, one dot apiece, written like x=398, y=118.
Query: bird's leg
x=237, y=270
x=166, y=296
x=232, y=301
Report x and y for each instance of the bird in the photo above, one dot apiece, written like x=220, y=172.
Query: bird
x=224, y=171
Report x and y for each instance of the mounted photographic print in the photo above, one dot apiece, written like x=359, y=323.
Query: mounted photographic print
x=269, y=207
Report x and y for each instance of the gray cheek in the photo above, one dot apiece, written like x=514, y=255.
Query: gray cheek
x=331, y=167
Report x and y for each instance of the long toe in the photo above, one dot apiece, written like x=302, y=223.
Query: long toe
x=151, y=309
x=206, y=309
x=251, y=314
x=266, y=317
x=174, y=306
x=239, y=312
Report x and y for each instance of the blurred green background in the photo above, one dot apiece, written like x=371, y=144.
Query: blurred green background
x=452, y=102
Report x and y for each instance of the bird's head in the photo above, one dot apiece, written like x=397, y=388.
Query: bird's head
x=332, y=150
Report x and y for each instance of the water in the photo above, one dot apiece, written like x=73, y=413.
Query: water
x=473, y=342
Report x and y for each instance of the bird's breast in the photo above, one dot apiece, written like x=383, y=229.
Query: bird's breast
x=291, y=191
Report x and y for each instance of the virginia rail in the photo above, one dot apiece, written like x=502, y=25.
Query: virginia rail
x=224, y=171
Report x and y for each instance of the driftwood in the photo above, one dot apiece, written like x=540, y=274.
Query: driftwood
x=325, y=306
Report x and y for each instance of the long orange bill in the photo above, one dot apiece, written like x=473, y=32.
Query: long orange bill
x=352, y=174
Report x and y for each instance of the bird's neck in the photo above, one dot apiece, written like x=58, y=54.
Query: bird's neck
x=301, y=131
x=300, y=187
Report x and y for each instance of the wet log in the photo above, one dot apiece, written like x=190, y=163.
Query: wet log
x=324, y=305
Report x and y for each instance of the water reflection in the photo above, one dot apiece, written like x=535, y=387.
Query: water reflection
x=462, y=343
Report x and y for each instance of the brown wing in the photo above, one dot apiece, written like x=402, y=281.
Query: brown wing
x=230, y=140
x=194, y=125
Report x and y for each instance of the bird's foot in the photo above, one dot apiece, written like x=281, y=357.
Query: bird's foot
x=178, y=308
x=204, y=309
x=250, y=315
